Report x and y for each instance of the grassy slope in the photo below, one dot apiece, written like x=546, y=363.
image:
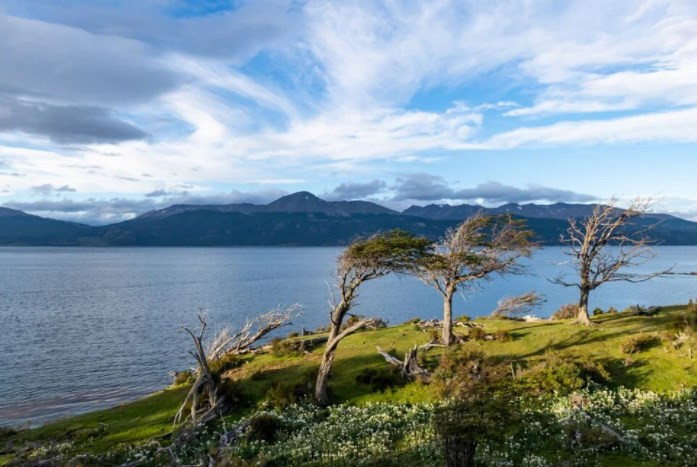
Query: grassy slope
x=659, y=369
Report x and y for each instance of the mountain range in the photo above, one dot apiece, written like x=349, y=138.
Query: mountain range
x=301, y=219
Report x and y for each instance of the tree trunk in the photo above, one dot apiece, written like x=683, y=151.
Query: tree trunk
x=448, y=316
x=459, y=451
x=325, y=368
x=583, y=316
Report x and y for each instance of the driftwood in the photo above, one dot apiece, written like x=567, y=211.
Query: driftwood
x=438, y=324
x=409, y=367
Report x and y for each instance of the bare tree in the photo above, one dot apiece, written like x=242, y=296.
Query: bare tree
x=517, y=305
x=603, y=245
x=226, y=342
x=478, y=247
x=363, y=260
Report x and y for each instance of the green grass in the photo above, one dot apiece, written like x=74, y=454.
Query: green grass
x=660, y=368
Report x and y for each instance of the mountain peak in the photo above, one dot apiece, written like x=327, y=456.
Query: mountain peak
x=302, y=201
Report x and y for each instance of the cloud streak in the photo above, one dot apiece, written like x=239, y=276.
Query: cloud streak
x=426, y=187
x=65, y=124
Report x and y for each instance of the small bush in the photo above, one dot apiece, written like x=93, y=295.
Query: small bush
x=564, y=373
x=183, y=377
x=462, y=372
x=463, y=319
x=566, y=312
x=380, y=379
x=225, y=363
x=434, y=335
x=293, y=334
x=232, y=390
x=503, y=336
x=283, y=348
x=635, y=344
x=380, y=324
x=612, y=310
x=413, y=321
x=288, y=393
x=634, y=310
x=290, y=348
x=258, y=376
x=598, y=311
x=263, y=427
x=477, y=334
x=6, y=432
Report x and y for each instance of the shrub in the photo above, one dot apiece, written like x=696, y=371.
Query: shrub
x=293, y=334
x=564, y=373
x=433, y=335
x=461, y=426
x=566, y=312
x=263, y=427
x=598, y=311
x=290, y=348
x=232, y=390
x=691, y=307
x=612, y=310
x=281, y=347
x=477, y=334
x=413, y=321
x=503, y=336
x=380, y=379
x=6, y=432
x=461, y=372
x=183, y=377
x=225, y=363
x=463, y=319
x=380, y=324
x=288, y=393
x=635, y=344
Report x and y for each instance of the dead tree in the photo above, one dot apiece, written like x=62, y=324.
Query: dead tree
x=409, y=367
x=603, y=245
x=480, y=246
x=204, y=399
x=363, y=260
x=517, y=305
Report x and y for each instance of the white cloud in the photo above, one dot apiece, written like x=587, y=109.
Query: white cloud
x=348, y=72
x=671, y=126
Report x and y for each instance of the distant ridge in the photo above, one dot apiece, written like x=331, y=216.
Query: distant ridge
x=301, y=219
x=302, y=201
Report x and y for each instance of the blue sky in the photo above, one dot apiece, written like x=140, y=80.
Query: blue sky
x=112, y=108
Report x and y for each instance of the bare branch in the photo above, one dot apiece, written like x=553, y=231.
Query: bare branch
x=604, y=245
x=518, y=305
x=478, y=248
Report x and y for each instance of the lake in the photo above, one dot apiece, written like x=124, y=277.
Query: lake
x=87, y=328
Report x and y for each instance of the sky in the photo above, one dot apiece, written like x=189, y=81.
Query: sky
x=111, y=108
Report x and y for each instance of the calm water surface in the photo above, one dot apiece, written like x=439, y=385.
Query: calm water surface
x=86, y=328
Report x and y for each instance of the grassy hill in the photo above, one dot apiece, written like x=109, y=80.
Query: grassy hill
x=660, y=368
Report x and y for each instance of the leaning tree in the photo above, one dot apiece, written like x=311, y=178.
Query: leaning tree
x=363, y=260
x=478, y=247
x=604, y=244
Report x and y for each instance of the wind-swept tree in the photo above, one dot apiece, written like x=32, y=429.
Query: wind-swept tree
x=480, y=246
x=518, y=305
x=363, y=260
x=603, y=245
